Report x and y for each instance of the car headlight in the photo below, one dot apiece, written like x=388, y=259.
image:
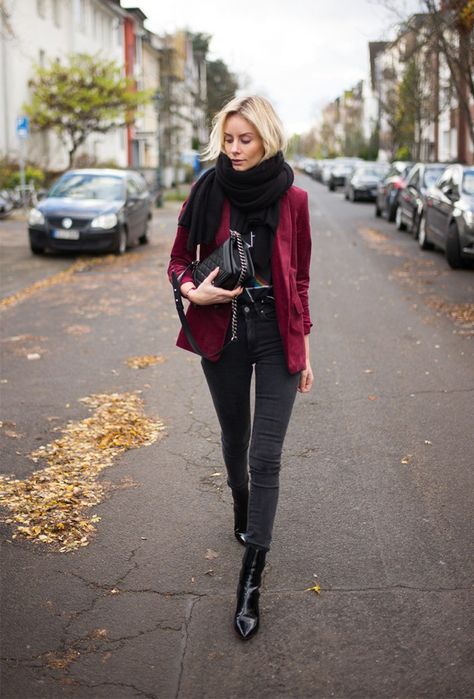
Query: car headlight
x=35, y=218
x=469, y=218
x=104, y=221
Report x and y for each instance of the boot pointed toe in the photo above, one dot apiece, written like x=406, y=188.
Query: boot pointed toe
x=246, y=626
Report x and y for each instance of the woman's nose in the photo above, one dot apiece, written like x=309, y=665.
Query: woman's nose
x=235, y=147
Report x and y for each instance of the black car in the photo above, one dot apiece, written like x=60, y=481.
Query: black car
x=94, y=210
x=447, y=221
x=362, y=184
x=410, y=201
x=388, y=190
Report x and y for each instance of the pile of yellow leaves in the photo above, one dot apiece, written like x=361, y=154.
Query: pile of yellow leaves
x=144, y=360
x=48, y=506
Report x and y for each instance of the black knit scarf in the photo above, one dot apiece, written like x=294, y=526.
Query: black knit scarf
x=255, y=193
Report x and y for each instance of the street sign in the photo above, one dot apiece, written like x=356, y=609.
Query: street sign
x=22, y=126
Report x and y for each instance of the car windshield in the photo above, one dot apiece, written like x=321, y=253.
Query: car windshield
x=83, y=186
x=432, y=175
x=468, y=182
x=377, y=173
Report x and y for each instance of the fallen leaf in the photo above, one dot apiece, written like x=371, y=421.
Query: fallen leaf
x=373, y=397
x=78, y=329
x=33, y=355
x=314, y=588
x=145, y=360
x=406, y=459
x=427, y=441
x=211, y=554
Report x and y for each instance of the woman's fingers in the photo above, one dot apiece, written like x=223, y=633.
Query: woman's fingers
x=306, y=381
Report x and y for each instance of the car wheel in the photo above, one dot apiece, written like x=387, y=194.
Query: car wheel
x=36, y=249
x=121, y=242
x=453, y=248
x=378, y=210
x=392, y=212
x=331, y=187
x=352, y=196
x=398, y=219
x=346, y=196
x=144, y=239
x=423, y=241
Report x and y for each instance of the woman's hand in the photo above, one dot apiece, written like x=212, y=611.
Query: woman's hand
x=206, y=294
x=306, y=379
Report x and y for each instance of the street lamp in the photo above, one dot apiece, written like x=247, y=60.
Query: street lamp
x=157, y=97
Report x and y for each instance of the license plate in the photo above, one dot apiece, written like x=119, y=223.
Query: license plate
x=65, y=234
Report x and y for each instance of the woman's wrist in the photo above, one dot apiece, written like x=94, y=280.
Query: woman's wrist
x=185, y=290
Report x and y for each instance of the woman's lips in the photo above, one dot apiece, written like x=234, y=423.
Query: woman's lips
x=237, y=162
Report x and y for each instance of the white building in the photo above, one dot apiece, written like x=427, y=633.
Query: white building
x=36, y=31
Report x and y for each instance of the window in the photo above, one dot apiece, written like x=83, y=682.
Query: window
x=432, y=174
x=446, y=180
x=41, y=8
x=57, y=12
x=468, y=182
x=132, y=188
x=414, y=179
x=80, y=13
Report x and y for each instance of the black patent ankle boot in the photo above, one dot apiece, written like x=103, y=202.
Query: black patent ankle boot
x=241, y=505
x=246, y=619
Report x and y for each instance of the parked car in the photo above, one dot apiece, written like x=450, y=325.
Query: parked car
x=447, y=220
x=6, y=204
x=362, y=184
x=94, y=210
x=410, y=201
x=388, y=189
x=342, y=168
x=326, y=169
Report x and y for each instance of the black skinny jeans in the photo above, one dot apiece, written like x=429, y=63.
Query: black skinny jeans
x=259, y=344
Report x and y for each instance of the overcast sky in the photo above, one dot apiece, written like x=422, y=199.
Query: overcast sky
x=299, y=53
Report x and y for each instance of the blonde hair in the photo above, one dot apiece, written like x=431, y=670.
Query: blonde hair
x=260, y=113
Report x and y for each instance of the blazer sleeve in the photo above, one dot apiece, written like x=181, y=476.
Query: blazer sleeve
x=181, y=257
x=303, y=232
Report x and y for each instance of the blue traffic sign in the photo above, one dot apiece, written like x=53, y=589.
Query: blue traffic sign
x=22, y=126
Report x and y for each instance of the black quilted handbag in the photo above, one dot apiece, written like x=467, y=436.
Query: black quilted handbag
x=234, y=262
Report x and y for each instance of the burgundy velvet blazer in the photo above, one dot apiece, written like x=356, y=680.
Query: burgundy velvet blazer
x=290, y=277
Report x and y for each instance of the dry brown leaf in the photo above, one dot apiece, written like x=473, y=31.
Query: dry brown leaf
x=145, y=360
x=211, y=554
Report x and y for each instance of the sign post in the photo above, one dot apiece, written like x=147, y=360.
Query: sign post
x=22, y=132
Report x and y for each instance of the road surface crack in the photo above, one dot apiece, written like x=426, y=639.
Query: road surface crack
x=184, y=643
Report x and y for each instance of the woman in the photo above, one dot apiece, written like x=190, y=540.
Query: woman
x=250, y=190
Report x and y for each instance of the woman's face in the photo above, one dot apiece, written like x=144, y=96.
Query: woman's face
x=242, y=143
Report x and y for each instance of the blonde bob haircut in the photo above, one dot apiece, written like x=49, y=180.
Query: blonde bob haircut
x=260, y=113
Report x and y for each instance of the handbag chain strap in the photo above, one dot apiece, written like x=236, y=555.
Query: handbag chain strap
x=243, y=273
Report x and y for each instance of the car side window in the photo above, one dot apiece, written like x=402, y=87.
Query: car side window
x=414, y=179
x=445, y=180
x=456, y=180
x=139, y=182
x=132, y=189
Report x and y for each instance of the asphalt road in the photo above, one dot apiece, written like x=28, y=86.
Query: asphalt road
x=376, y=498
